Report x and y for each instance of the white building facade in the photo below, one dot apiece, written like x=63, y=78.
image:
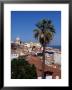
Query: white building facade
x=14, y=55
x=57, y=58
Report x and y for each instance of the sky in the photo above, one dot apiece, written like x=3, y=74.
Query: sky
x=24, y=22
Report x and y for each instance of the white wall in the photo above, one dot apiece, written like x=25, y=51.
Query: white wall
x=47, y=77
x=27, y=44
x=57, y=58
x=14, y=56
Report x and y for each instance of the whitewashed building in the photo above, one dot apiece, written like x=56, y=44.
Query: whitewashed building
x=17, y=41
x=27, y=45
x=14, y=55
x=57, y=58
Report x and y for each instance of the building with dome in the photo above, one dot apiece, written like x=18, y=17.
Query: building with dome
x=17, y=41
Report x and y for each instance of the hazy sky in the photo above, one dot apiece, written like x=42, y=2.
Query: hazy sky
x=23, y=24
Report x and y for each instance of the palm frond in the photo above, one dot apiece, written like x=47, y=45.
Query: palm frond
x=47, y=36
x=36, y=33
x=45, y=28
x=51, y=28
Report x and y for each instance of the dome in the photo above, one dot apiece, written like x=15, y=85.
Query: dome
x=17, y=39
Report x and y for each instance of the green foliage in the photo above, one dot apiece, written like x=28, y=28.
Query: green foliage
x=21, y=69
x=44, y=31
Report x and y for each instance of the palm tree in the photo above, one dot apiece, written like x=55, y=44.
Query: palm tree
x=44, y=34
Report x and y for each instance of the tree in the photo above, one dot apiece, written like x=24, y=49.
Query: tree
x=21, y=69
x=44, y=34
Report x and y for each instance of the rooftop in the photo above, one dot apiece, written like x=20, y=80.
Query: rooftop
x=38, y=64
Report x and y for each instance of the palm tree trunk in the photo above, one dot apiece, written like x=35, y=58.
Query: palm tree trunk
x=43, y=63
